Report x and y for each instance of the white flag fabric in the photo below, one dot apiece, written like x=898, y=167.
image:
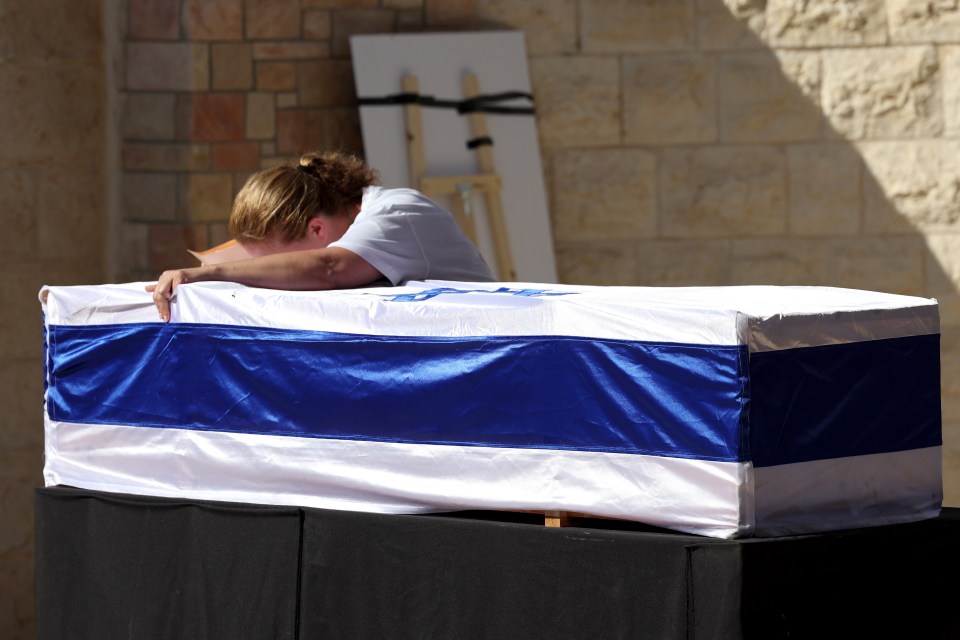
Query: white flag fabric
x=721, y=411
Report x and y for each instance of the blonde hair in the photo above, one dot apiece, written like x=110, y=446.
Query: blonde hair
x=278, y=202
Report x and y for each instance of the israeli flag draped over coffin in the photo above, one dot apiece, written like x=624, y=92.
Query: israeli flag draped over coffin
x=721, y=411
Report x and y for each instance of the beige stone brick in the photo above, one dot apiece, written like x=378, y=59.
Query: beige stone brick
x=770, y=97
x=942, y=276
x=122, y=274
x=154, y=19
x=731, y=24
x=17, y=614
x=317, y=25
x=148, y=196
x=183, y=114
x=169, y=245
x=207, y=197
x=450, y=14
x=816, y=23
x=198, y=156
x=21, y=471
x=20, y=475
x=549, y=26
x=290, y=50
x=166, y=66
x=272, y=161
x=950, y=370
x=29, y=33
x=893, y=264
x=276, y=76
x=597, y=262
x=669, y=99
x=723, y=192
x=21, y=324
x=409, y=21
x=327, y=83
x=52, y=113
x=577, y=100
x=604, y=193
x=950, y=63
x=911, y=185
x=354, y=22
x=684, y=263
x=272, y=19
x=299, y=130
x=200, y=67
x=216, y=117
x=66, y=272
x=21, y=240
x=154, y=157
x=890, y=92
x=287, y=100
x=232, y=66
x=148, y=116
x=236, y=156
x=213, y=19
x=21, y=328
x=777, y=261
x=916, y=21
x=824, y=189
x=21, y=395
x=72, y=212
x=890, y=264
x=951, y=462
x=131, y=250
x=622, y=26
x=220, y=233
x=339, y=4
x=261, y=116
x=341, y=130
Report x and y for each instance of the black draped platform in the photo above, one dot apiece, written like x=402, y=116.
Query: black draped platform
x=119, y=566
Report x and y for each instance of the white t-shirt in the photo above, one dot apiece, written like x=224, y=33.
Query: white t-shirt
x=405, y=236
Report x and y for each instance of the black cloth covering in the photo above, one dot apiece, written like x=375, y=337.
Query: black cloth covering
x=115, y=566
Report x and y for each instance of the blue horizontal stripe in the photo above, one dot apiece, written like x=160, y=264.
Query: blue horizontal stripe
x=548, y=392
x=844, y=400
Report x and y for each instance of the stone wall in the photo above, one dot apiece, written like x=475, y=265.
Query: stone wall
x=216, y=89
x=685, y=142
x=54, y=198
x=709, y=142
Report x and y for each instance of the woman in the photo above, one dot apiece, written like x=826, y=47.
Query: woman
x=325, y=224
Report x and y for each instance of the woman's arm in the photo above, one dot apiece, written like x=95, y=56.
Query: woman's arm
x=311, y=270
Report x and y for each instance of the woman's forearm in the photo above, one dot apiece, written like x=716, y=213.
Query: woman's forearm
x=312, y=270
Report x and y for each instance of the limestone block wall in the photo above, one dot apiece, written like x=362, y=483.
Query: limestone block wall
x=53, y=213
x=712, y=142
x=213, y=90
x=685, y=142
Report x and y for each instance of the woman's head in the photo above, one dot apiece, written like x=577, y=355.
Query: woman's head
x=277, y=204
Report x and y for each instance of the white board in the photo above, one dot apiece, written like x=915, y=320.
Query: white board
x=439, y=60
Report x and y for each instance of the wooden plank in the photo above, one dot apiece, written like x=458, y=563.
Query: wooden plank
x=416, y=161
x=498, y=223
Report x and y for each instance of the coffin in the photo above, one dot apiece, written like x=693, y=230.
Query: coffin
x=727, y=412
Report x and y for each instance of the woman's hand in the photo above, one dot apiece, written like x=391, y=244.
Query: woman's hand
x=165, y=288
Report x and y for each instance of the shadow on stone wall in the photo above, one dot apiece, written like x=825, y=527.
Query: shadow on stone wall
x=758, y=143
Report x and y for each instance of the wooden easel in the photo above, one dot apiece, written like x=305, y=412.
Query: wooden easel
x=461, y=187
